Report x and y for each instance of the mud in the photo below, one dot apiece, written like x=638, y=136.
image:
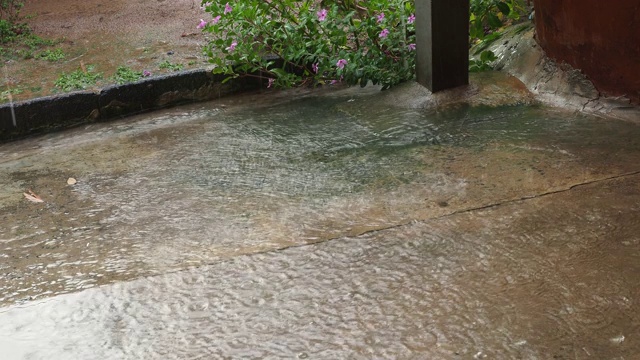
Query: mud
x=107, y=34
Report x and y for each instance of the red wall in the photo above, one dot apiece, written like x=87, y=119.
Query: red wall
x=599, y=37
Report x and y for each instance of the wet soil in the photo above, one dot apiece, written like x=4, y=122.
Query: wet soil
x=105, y=34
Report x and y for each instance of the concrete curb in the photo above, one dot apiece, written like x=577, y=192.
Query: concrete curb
x=61, y=111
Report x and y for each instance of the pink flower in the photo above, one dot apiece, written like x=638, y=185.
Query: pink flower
x=411, y=19
x=314, y=67
x=341, y=63
x=216, y=19
x=384, y=33
x=271, y=81
x=411, y=46
x=227, y=8
x=380, y=17
x=232, y=46
x=202, y=24
x=322, y=14
x=146, y=73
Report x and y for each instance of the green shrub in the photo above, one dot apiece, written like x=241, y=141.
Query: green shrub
x=486, y=19
x=6, y=31
x=304, y=42
x=9, y=16
x=10, y=10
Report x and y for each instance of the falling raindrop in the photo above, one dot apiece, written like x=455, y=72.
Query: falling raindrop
x=13, y=113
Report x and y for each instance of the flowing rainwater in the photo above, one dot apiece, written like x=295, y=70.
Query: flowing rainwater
x=324, y=225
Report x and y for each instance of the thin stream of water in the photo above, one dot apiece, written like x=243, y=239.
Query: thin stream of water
x=13, y=113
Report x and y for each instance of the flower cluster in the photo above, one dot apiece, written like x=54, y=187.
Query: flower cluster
x=355, y=43
x=215, y=20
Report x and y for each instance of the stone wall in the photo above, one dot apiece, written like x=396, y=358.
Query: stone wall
x=601, y=38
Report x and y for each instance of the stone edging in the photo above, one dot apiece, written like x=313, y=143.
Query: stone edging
x=60, y=111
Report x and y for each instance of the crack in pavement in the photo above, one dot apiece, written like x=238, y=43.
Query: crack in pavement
x=536, y=196
x=386, y=228
x=463, y=211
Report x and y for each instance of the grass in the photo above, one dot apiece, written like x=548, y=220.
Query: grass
x=166, y=64
x=126, y=75
x=18, y=42
x=52, y=55
x=34, y=41
x=25, y=46
x=6, y=94
x=78, y=80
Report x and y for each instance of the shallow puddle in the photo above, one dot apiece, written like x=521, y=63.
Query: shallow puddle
x=546, y=278
x=473, y=231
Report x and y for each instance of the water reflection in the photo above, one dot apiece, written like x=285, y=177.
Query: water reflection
x=474, y=285
x=233, y=190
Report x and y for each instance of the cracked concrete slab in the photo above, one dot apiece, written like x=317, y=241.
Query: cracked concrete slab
x=553, y=276
x=522, y=209
x=203, y=183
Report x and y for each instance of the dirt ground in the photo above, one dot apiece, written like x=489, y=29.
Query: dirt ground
x=139, y=34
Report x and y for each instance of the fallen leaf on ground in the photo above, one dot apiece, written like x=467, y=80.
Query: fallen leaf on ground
x=31, y=196
x=71, y=181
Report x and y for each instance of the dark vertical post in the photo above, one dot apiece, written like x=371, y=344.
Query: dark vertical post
x=442, y=43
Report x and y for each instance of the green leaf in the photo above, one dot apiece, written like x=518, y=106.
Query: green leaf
x=487, y=56
x=477, y=30
x=279, y=72
x=504, y=8
x=494, y=21
x=474, y=68
x=219, y=70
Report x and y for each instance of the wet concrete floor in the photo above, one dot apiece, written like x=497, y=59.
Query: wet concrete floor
x=324, y=225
